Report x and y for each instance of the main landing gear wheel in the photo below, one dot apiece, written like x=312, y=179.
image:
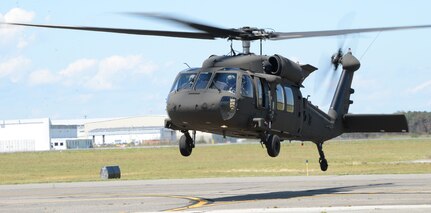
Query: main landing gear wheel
x=323, y=164
x=273, y=145
x=186, y=144
x=322, y=160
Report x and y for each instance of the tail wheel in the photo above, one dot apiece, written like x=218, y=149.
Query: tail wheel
x=185, y=146
x=273, y=145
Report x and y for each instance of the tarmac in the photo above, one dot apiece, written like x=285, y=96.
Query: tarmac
x=356, y=193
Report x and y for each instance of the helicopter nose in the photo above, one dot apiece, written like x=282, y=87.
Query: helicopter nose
x=191, y=110
x=227, y=107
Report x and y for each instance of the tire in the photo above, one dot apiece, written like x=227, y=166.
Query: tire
x=323, y=164
x=273, y=146
x=185, y=147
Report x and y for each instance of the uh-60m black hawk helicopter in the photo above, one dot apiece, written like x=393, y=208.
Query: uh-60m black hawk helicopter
x=258, y=96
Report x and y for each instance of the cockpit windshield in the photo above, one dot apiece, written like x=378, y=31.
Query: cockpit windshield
x=184, y=81
x=203, y=79
x=224, y=82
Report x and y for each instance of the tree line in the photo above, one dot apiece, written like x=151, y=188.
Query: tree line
x=419, y=122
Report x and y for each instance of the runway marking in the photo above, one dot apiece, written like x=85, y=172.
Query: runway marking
x=217, y=203
x=196, y=203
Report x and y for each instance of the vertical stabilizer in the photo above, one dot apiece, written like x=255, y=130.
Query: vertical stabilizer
x=341, y=100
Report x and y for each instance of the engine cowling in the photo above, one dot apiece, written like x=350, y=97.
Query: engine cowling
x=285, y=68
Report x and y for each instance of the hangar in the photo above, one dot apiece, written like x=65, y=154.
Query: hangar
x=25, y=135
x=45, y=134
x=40, y=135
x=140, y=130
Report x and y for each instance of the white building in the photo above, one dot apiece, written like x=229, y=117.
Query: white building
x=69, y=134
x=44, y=134
x=41, y=135
x=137, y=130
x=25, y=135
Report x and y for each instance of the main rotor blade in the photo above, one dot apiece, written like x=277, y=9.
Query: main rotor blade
x=214, y=31
x=293, y=35
x=194, y=35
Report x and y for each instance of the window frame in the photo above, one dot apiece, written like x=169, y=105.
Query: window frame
x=198, y=77
x=290, y=100
x=251, y=84
x=175, y=86
x=212, y=80
x=260, y=93
x=281, y=96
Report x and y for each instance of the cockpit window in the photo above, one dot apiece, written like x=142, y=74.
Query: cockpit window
x=184, y=81
x=247, y=86
x=203, y=80
x=224, y=82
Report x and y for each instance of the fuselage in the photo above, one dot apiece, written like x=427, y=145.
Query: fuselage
x=240, y=102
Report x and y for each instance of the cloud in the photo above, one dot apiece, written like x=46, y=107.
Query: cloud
x=9, y=33
x=24, y=41
x=101, y=74
x=421, y=87
x=18, y=15
x=42, y=77
x=77, y=67
x=117, y=68
x=13, y=68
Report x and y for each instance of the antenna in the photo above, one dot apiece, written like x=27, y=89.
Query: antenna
x=232, y=51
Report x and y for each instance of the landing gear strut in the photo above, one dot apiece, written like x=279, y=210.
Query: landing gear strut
x=322, y=160
x=187, y=143
x=272, y=143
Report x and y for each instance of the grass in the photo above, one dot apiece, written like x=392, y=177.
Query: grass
x=236, y=160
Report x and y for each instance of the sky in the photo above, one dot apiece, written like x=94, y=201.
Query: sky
x=65, y=74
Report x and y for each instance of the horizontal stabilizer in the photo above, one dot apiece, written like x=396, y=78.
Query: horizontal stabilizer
x=375, y=123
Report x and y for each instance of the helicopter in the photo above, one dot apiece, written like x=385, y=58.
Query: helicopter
x=257, y=96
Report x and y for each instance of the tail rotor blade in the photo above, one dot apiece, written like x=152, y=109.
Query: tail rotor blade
x=325, y=68
x=331, y=84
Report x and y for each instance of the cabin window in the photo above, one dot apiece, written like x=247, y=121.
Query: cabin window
x=224, y=82
x=265, y=96
x=203, y=80
x=247, y=86
x=184, y=81
x=260, y=95
x=290, y=104
x=280, y=97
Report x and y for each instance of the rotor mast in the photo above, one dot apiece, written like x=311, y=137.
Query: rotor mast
x=246, y=47
x=248, y=34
